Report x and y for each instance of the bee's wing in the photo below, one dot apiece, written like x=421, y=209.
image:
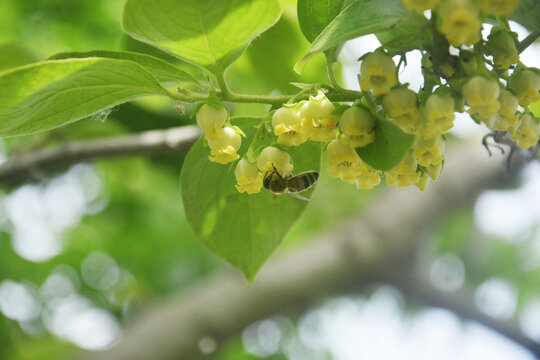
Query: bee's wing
x=296, y=196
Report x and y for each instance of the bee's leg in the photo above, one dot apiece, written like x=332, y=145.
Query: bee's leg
x=487, y=145
x=275, y=170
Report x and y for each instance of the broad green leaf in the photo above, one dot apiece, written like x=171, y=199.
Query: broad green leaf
x=389, y=147
x=315, y=15
x=53, y=93
x=164, y=72
x=360, y=18
x=242, y=229
x=209, y=33
x=528, y=14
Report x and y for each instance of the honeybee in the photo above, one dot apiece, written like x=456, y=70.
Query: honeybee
x=291, y=185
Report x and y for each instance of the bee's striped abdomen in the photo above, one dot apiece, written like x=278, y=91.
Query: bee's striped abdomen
x=302, y=181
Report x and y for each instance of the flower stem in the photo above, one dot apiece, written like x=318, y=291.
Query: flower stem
x=529, y=40
x=192, y=97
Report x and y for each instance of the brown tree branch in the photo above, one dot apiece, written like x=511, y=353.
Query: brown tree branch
x=173, y=140
x=356, y=252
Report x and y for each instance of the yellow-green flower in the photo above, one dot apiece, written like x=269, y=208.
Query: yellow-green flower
x=211, y=119
x=378, y=73
x=502, y=47
x=404, y=173
x=422, y=182
x=318, y=122
x=482, y=96
x=287, y=126
x=273, y=158
x=419, y=5
x=527, y=131
x=428, y=151
x=508, y=115
x=460, y=22
x=437, y=116
x=434, y=170
x=341, y=161
x=366, y=176
x=225, y=145
x=526, y=85
x=400, y=105
x=499, y=7
x=357, y=127
x=248, y=177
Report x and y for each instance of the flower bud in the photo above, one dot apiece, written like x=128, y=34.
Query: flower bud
x=400, y=105
x=357, y=126
x=287, y=126
x=526, y=84
x=211, y=119
x=272, y=158
x=318, y=122
x=225, y=145
x=460, y=22
x=378, y=73
x=248, y=177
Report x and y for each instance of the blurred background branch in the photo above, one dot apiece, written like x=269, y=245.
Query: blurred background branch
x=38, y=162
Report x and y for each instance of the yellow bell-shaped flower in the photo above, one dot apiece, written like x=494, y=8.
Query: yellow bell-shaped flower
x=287, y=126
x=272, y=158
x=357, y=127
x=378, y=73
x=211, y=120
x=225, y=146
x=248, y=177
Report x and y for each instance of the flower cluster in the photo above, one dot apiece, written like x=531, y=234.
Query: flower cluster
x=316, y=120
x=460, y=20
x=487, y=81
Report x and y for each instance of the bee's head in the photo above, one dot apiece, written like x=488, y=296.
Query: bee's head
x=268, y=178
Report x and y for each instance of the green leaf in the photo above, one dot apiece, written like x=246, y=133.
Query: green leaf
x=360, y=18
x=53, y=93
x=315, y=15
x=527, y=14
x=209, y=33
x=240, y=228
x=390, y=146
x=412, y=32
x=164, y=72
